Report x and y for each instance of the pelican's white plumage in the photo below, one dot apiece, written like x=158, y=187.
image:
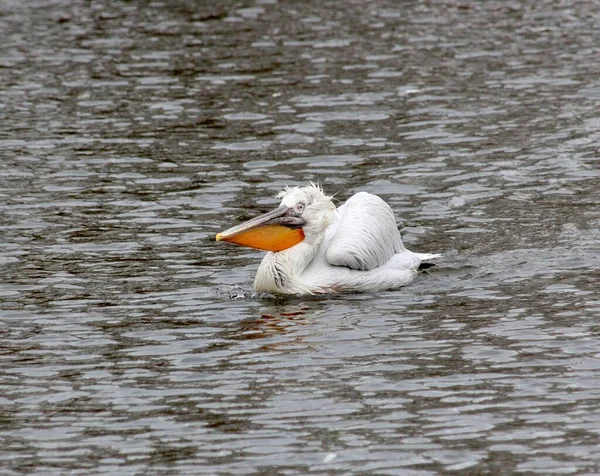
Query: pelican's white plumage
x=354, y=248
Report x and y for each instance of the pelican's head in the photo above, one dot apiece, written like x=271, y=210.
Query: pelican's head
x=303, y=215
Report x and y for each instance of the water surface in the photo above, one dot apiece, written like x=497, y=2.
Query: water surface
x=132, y=132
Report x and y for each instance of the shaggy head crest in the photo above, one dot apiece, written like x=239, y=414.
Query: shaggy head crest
x=309, y=194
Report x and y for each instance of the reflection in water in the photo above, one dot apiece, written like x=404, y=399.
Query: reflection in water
x=276, y=321
x=130, y=343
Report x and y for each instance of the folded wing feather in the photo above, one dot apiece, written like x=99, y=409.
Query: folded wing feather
x=365, y=235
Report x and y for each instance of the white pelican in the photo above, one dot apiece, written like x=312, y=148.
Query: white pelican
x=314, y=248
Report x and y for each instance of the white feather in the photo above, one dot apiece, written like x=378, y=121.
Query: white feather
x=365, y=235
x=354, y=248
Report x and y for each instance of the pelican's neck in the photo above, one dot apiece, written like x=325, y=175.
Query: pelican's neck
x=279, y=272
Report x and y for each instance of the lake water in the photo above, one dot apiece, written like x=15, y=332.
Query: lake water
x=131, y=132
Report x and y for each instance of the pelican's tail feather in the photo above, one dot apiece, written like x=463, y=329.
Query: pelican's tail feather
x=427, y=256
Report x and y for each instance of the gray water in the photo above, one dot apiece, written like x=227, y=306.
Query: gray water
x=131, y=132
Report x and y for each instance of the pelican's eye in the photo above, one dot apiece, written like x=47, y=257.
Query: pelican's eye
x=299, y=208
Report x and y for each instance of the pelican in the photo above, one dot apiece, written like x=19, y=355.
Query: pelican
x=314, y=248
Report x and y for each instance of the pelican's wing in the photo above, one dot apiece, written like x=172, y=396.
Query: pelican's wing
x=364, y=236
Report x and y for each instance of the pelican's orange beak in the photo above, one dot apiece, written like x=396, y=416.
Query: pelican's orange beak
x=277, y=230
